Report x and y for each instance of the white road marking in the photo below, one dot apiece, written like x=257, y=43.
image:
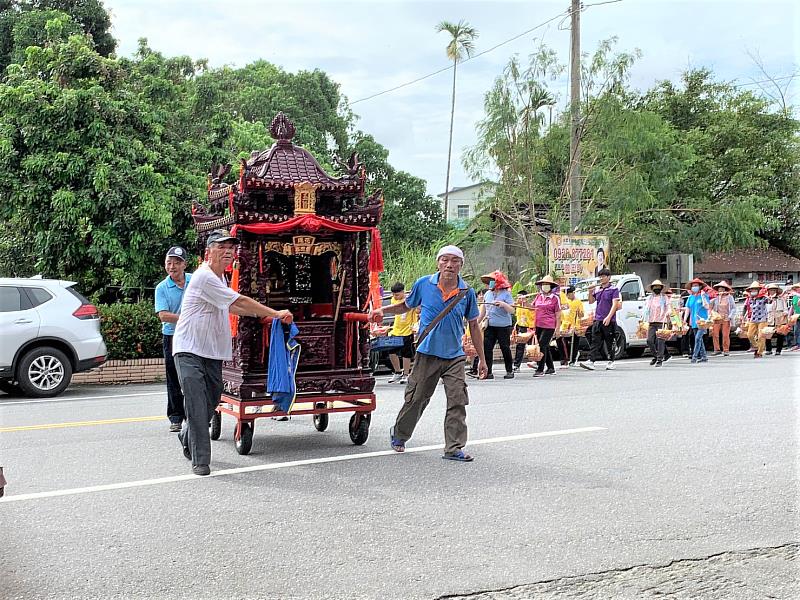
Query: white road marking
x=283, y=465
x=70, y=398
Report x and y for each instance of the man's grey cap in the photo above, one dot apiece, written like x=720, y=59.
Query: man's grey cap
x=176, y=252
x=220, y=235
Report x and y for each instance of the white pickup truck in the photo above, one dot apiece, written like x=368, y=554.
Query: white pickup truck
x=632, y=293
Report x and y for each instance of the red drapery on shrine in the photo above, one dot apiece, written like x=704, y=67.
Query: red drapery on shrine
x=306, y=222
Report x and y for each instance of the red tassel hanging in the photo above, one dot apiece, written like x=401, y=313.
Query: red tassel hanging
x=376, y=252
x=261, y=258
x=230, y=200
x=375, y=268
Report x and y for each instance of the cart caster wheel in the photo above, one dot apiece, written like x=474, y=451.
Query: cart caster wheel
x=321, y=420
x=215, y=427
x=359, y=428
x=245, y=441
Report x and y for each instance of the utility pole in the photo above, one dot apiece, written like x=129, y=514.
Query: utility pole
x=575, y=111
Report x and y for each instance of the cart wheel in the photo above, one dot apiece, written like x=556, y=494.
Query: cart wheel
x=359, y=428
x=321, y=420
x=215, y=427
x=245, y=441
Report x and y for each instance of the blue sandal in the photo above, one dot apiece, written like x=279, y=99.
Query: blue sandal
x=397, y=445
x=459, y=456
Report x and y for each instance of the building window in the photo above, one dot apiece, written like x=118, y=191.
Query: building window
x=462, y=211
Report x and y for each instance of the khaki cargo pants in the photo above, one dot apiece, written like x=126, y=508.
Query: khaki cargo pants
x=425, y=376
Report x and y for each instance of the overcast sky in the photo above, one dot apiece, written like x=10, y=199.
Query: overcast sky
x=370, y=46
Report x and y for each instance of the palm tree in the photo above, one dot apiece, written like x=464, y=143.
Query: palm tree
x=462, y=43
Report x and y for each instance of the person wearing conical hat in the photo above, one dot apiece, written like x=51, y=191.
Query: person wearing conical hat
x=777, y=316
x=756, y=310
x=547, y=306
x=497, y=309
x=657, y=311
x=725, y=307
x=696, y=314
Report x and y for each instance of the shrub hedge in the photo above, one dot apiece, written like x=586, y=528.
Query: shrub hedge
x=130, y=330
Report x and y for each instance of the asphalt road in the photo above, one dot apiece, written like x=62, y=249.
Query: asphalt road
x=578, y=478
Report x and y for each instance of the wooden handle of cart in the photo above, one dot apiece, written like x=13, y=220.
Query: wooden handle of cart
x=339, y=300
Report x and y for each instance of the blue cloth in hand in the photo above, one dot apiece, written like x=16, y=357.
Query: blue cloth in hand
x=284, y=356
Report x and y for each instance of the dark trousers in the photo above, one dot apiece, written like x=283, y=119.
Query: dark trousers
x=657, y=346
x=687, y=342
x=602, y=338
x=519, y=351
x=201, y=380
x=175, y=412
x=779, y=339
x=570, y=349
x=425, y=376
x=501, y=335
x=544, y=335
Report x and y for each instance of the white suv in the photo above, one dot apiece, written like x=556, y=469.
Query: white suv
x=48, y=331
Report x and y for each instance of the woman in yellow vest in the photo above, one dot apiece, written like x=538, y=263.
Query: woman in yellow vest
x=524, y=320
x=570, y=320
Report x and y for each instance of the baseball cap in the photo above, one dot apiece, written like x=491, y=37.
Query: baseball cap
x=176, y=252
x=220, y=235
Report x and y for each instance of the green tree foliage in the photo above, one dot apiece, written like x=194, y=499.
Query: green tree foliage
x=706, y=169
x=746, y=156
x=101, y=157
x=22, y=24
x=85, y=166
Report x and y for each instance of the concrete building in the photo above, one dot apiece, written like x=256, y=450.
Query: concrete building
x=463, y=202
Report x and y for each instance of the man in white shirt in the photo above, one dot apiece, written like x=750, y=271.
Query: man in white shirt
x=203, y=340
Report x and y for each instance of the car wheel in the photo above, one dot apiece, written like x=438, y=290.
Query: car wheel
x=619, y=343
x=44, y=372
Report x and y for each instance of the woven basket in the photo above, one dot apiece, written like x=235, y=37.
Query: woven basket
x=533, y=352
x=665, y=334
x=521, y=338
x=767, y=333
x=742, y=334
x=783, y=329
x=642, y=329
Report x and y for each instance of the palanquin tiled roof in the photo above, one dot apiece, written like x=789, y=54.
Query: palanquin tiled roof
x=285, y=164
x=751, y=260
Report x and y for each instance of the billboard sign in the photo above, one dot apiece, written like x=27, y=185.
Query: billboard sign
x=572, y=258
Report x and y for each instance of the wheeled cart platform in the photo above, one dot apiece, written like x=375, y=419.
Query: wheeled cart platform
x=319, y=406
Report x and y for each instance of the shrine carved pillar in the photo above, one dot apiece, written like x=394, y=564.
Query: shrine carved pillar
x=362, y=284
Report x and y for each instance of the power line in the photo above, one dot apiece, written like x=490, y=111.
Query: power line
x=773, y=80
x=447, y=68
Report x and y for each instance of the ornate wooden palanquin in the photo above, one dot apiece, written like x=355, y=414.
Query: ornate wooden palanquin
x=305, y=242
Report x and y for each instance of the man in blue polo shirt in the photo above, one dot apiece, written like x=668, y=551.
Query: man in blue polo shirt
x=169, y=296
x=441, y=354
